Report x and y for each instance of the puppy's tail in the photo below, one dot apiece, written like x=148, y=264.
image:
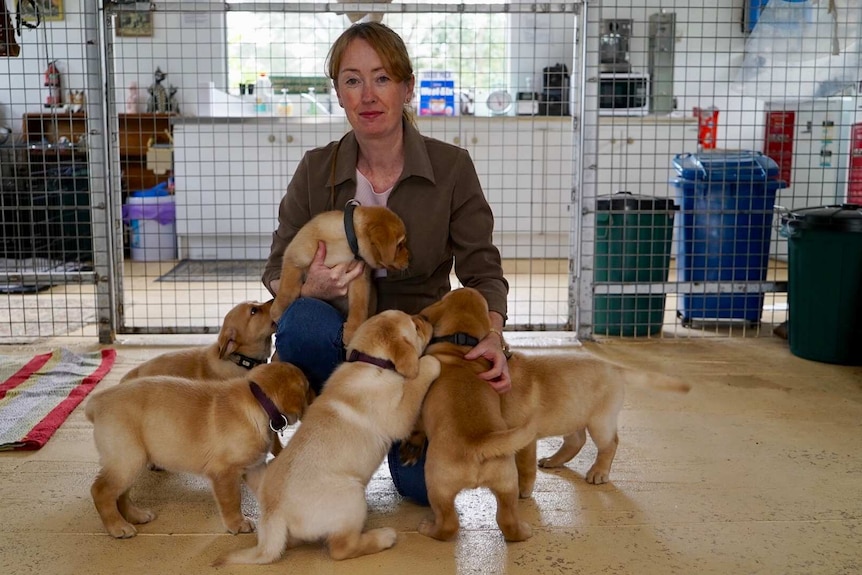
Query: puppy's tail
x=505, y=442
x=652, y=380
x=272, y=536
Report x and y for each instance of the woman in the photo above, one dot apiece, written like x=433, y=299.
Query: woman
x=431, y=185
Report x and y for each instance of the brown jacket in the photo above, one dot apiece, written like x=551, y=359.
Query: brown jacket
x=443, y=207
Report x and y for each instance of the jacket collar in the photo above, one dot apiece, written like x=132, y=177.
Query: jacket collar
x=416, y=160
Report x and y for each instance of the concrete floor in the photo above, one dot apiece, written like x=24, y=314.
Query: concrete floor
x=757, y=470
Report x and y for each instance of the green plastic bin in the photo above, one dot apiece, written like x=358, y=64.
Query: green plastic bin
x=825, y=283
x=633, y=241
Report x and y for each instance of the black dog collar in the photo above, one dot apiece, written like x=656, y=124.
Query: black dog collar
x=350, y=229
x=245, y=361
x=459, y=338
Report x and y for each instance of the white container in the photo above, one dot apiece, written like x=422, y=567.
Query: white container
x=263, y=94
x=149, y=240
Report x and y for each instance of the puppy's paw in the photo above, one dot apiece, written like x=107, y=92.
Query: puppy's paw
x=386, y=537
x=348, y=332
x=597, y=475
x=549, y=463
x=521, y=532
x=139, y=515
x=410, y=451
x=122, y=530
x=244, y=526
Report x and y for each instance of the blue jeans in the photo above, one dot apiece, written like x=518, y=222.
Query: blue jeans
x=309, y=335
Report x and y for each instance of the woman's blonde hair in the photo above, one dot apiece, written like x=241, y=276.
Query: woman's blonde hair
x=388, y=45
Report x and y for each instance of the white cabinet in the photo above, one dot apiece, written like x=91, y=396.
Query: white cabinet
x=230, y=177
x=231, y=174
x=525, y=166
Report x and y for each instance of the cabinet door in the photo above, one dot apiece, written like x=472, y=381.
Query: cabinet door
x=525, y=170
x=228, y=178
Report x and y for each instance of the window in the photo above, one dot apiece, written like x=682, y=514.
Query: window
x=473, y=45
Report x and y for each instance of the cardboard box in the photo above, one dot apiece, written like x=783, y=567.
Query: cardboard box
x=437, y=93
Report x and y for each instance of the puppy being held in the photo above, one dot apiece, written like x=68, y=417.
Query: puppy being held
x=315, y=488
x=373, y=234
x=221, y=429
x=470, y=444
x=244, y=341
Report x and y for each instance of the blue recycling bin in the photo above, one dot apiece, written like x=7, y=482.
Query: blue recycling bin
x=727, y=201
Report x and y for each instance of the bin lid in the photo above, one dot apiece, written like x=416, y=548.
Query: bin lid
x=156, y=191
x=844, y=217
x=727, y=166
x=627, y=201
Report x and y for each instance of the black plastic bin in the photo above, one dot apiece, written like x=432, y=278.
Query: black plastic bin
x=825, y=283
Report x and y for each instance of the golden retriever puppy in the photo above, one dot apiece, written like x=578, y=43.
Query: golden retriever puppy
x=470, y=444
x=244, y=341
x=554, y=393
x=315, y=488
x=381, y=243
x=569, y=394
x=221, y=429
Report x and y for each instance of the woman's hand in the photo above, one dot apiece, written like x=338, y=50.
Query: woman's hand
x=491, y=348
x=325, y=283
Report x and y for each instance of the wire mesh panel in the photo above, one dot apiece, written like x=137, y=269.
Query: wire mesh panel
x=217, y=104
x=715, y=121
x=52, y=160
x=707, y=123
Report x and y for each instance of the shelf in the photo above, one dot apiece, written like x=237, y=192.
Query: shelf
x=135, y=133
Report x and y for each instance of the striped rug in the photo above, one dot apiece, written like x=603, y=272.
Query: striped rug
x=38, y=394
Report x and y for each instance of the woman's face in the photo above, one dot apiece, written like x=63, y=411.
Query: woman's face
x=371, y=98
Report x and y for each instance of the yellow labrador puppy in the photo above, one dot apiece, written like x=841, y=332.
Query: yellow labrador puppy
x=244, y=341
x=315, y=488
x=569, y=394
x=380, y=241
x=564, y=394
x=221, y=429
x=470, y=445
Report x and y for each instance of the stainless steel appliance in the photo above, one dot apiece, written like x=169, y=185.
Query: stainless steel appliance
x=614, y=45
x=624, y=94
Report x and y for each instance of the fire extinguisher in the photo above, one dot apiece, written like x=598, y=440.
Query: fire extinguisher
x=53, y=98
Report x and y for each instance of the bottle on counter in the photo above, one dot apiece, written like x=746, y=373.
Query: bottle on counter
x=285, y=105
x=263, y=93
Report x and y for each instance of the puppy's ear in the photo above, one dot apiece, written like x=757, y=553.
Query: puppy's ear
x=377, y=242
x=226, y=342
x=405, y=358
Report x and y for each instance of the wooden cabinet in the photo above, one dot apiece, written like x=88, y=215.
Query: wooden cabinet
x=54, y=137
x=135, y=133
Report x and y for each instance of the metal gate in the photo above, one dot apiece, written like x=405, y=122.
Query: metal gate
x=122, y=215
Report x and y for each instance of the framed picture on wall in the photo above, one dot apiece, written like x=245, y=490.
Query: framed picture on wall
x=47, y=10
x=134, y=24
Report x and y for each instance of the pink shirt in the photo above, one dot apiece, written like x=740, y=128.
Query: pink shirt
x=366, y=196
x=365, y=193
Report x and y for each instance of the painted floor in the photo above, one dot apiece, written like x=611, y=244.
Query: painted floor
x=757, y=470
